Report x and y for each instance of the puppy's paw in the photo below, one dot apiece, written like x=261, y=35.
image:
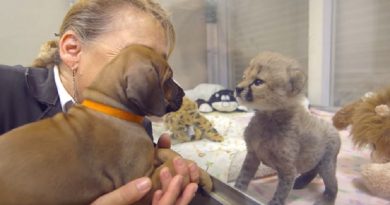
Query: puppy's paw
x=205, y=181
x=166, y=156
x=156, y=175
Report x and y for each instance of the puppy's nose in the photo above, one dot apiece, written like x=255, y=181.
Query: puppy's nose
x=239, y=90
x=181, y=92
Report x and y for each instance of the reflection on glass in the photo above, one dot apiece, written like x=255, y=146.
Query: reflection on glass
x=217, y=40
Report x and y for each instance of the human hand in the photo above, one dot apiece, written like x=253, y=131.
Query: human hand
x=136, y=189
x=171, y=186
x=185, y=168
x=127, y=194
x=171, y=192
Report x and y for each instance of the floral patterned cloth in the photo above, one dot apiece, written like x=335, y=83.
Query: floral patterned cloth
x=221, y=159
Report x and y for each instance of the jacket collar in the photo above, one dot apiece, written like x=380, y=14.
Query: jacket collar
x=40, y=83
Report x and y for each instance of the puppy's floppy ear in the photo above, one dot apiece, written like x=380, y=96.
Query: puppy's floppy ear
x=164, y=72
x=297, y=81
x=173, y=93
x=144, y=89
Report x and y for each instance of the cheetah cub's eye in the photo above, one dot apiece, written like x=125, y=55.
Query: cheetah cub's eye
x=258, y=82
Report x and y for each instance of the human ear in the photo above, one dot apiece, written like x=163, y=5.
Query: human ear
x=70, y=49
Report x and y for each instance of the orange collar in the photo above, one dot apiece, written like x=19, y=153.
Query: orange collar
x=124, y=115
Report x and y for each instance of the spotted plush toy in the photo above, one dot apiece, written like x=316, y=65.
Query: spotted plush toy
x=188, y=124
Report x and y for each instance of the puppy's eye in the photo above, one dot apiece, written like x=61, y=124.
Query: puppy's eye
x=258, y=82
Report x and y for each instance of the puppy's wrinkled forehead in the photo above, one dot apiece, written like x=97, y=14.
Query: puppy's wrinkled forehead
x=147, y=55
x=162, y=67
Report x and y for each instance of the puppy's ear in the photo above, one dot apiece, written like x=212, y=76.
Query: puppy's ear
x=297, y=81
x=144, y=89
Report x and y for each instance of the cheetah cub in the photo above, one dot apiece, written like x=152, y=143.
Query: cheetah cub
x=283, y=134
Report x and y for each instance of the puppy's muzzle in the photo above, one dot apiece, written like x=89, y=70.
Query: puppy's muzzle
x=175, y=96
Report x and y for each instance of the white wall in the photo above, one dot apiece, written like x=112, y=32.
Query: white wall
x=261, y=25
x=189, y=57
x=25, y=25
x=361, y=48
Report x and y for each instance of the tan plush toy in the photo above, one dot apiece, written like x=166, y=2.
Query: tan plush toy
x=188, y=124
x=369, y=118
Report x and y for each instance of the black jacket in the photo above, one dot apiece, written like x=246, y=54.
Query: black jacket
x=28, y=95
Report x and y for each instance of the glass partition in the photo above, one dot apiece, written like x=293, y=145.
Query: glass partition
x=218, y=38
x=361, y=48
x=343, y=48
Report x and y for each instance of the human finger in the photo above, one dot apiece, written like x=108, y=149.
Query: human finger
x=188, y=194
x=127, y=194
x=170, y=196
x=157, y=197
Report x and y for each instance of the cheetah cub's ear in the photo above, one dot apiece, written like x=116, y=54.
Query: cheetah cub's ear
x=297, y=81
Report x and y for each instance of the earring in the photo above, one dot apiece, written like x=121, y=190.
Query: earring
x=75, y=91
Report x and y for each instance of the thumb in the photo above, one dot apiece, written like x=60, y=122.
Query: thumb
x=127, y=194
x=164, y=141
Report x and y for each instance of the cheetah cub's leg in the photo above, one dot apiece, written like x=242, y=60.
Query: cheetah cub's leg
x=286, y=176
x=247, y=172
x=328, y=173
x=327, y=170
